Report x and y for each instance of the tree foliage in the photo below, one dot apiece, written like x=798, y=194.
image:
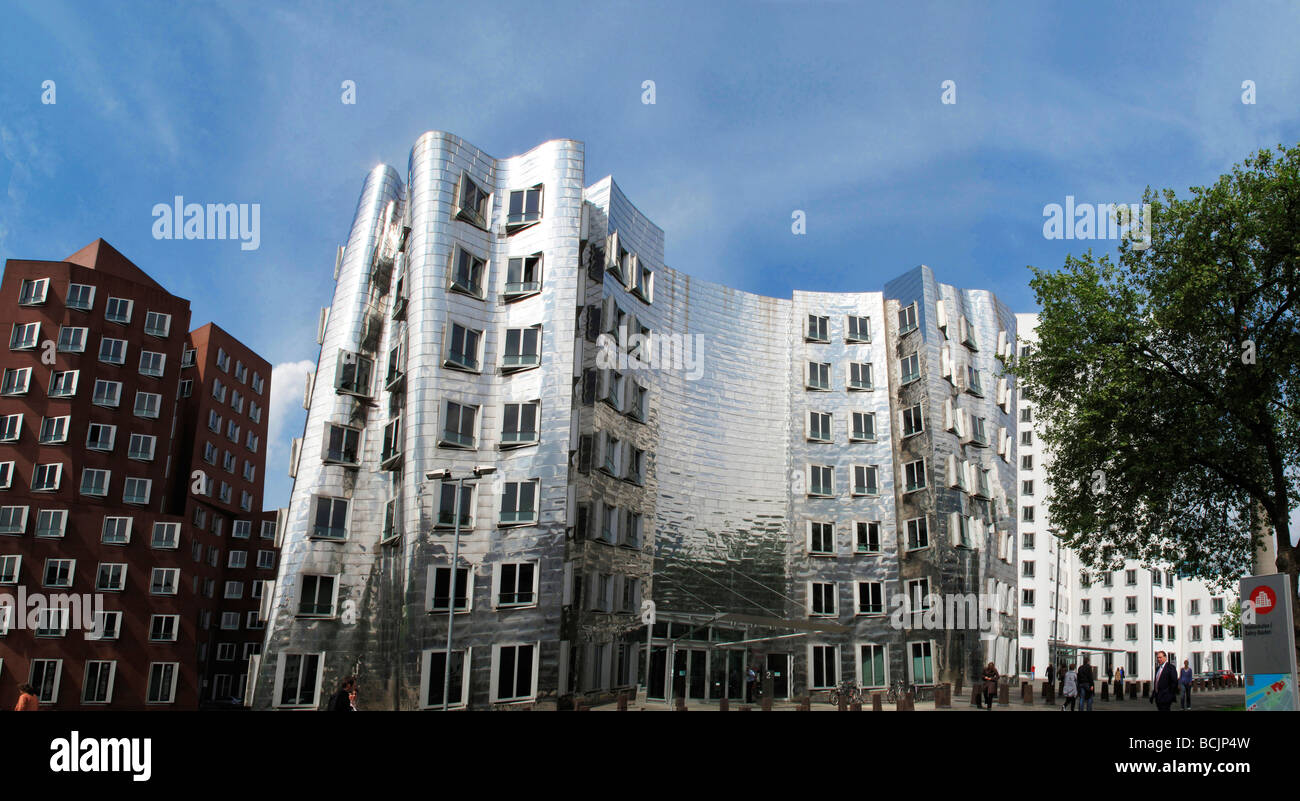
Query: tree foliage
x=1167, y=382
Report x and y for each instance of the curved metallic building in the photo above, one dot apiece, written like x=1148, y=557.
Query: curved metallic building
x=772, y=476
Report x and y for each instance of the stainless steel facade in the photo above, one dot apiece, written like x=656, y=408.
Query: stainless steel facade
x=677, y=468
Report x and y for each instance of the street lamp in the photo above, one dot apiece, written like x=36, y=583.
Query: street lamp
x=445, y=475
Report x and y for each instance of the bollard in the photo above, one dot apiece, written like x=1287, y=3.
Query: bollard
x=622, y=702
x=1133, y=691
x=943, y=696
x=877, y=702
x=723, y=705
x=1026, y=693
x=905, y=704
x=681, y=703
x=957, y=691
x=767, y=703
x=1049, y=693
x=843, y=704
x=975, y=699
x=578, y=705
x=1105, y=691
x=805, y=705
x=856, y=706
x=1004, y=694
x=1146, y=689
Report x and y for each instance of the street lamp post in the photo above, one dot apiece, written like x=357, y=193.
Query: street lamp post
x=445, y=475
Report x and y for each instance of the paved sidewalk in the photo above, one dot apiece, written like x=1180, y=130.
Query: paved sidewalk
x=1205, y=700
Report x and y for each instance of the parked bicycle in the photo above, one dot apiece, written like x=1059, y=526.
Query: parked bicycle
x=897, y=690
x=848, y=690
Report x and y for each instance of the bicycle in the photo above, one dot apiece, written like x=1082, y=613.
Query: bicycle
x=899, y=689
x=848, y=690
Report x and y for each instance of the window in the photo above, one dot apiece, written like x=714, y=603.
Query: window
x=867, y=539
x=45, y=677
x=9, y=566
x=859, y=329
x=164, y=581
x=148, y=405
x=250, y=471
x=25, y=336
x=54, y=430
x=973, y=385
x=166, y=536
x=1107, y=606
x=918, y=533
x=1027, y=514
x=237, y=560
x=523, y=276
x=117, y=531
x=978, y=434
x=517, y=584
x=6, y=474
x=353, y=374
x=467, y=274
x=63, y=384
x=95, y=482
x=523, y=347
x=871, y=598
x=1194, y=607
x=157, y=324
x=910, y=368
x=463, y=347
x=864, y=480
x=913, y=421
x=106, y=626
x=436, y=681
x=821, y=597
x=252, y=441
x=519, y=426
x=107, y=393
x=472, y=202
x=142, y=447
x=1130, y=577
x=914, y=476
x=525, y=207
x=922, y=663
x=232, y=431
x=111, y=578
x=59, y=572
x=821, y=480
x=514, y=668
x=519, y=502
x=50, y=522
x=821, y=538
x=13, y=519
x=330, y=518
x=241, y=372
x=11, y=427
x=860, y=375
x=873, y=662
x=459, y=429
x=1027, y=439
x=152, y=363
x=257, y=383
x=819, y=375
x=1130, y=631
x=632, y=529
x=440, y=589
x=864, y=427
x=1027, y=540
x=241, y=529
x=392, y=447
x=136, y=490
x=1027, y=568
x=819, y=426
x=1027, y=626
x=316, y=596
x=447, y=505
x=817, y=329
x=1216, y=606
x=234, y=590
x=112, y=351
x=1026, y=597
x=118, y=310
x=825, y=662
x=72, y=339
x=1196, y=634
x=32, y=291
x=907, y=319
x=16, y=381
x=1027, y=487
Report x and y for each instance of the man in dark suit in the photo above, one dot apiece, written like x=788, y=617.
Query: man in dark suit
x=1165, y=688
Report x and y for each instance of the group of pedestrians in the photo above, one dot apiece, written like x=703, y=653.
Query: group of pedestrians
x=1077, y=686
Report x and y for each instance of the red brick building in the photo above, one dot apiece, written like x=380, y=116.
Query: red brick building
x=101, y=443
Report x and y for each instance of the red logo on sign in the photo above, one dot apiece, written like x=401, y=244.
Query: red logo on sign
x=1264, y=600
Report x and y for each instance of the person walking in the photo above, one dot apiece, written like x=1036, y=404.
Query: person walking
x=1049, y=674
x=1060, y=678
x=27, y=700
x=1085, y=681
x=345, y=700
x=990, y=684
x=1119, y=682
x=1185, y=681
x=1165, y=688
x=751, y=676
x=1070, y=688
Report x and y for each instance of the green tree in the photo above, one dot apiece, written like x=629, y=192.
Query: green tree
x=1231, y=620
x=1167, y=383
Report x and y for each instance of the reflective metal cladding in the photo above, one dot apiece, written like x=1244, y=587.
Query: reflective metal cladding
x=769, y=479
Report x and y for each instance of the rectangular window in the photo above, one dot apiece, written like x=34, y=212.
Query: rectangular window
x=822, y=598
x=523, y=347
x=817, y=329
x=525, y=207
x=914, y=476
x=867, y=536
x=821, y=538
x=142, y=447
x=330, y=518
x=864, y=480
x=136, y=490
x=45, y=675
x=523, y=276
x=32, y=291
x=9, y=566
x=148, y=405
x=112, y=351
x=910, y=368
x=63, y=384
x=825, y=671
x=164, y=581
x=157, y=324
x=463, y=347
x=6, y=474
x=922, y=662
x=874, y=663
x=95, y=482
x=13, y=519
x=118, y=310
x=821, y=480
x=447, y=505
x=819, y=375
x=59, y=572
x=519, y=502
x=11, y=427
x=859, y=329
x=166, y=536
x=316, y=597
x=54, y=430
x=111, y=578
x=819, y=426
x=459, y=429
x=72, y=339
x=517, y=584
x=907, y=319
x=16, y=381
x=353, y=374
x=918, y=533
x=116, y=531
x=80, y=297
x=860, y=375
x=440, y=589
x=913, y=420
x=467, y=273
x=152, y=363
x=871, y=598
x=515, y=669
x=25, y=336
x=519, y=426
x=864, y=427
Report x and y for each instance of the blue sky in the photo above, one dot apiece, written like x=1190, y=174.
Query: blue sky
x=761, y=109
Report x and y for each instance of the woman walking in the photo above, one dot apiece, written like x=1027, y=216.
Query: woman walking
x=27, y=700
x=990, y=684
x=1070, y=689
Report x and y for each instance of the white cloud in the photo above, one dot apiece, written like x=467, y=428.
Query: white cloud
x=287, y=383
